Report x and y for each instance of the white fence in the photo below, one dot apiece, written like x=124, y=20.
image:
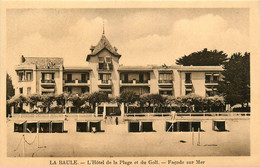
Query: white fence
x=92, y=115
x=55, y=115
x=212, y=114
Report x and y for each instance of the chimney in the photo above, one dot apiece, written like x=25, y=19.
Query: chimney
x=22, y=59
x=92, y=48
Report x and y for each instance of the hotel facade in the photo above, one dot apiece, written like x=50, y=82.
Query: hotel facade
x=103, y=73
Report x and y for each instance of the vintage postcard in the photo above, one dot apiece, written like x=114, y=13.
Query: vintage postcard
x=129, y=83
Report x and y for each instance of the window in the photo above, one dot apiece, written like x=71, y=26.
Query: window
x=47, y=76
x=108, y=59
x=20, y=76
x=101, y=59
x=19, y=127
x=215, y=78
x=183, y=126
x=133, y=127
x=105, y=63
x=69, y=77
x=100, y=65
x=82, y=126
x=28, y=76
x=187, y=77
x=188, y=89
x=83, y=77
x=207, y=78
x=141, y=78
x=21, y=90
x=211, y=91
x=29, y=91
x=105, y=77
x=125, y=78
x=165, y=78
x=31, y=128
x=57, y=128
x=187, y=92
x=44, y=127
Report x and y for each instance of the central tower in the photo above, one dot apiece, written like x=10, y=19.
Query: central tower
x=104, y=60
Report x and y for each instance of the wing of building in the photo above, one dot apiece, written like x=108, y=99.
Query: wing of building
x=102, y=72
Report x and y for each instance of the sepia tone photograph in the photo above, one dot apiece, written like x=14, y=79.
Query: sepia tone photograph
x=127, y=82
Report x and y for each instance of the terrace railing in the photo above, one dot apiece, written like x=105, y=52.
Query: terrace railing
x=212, y=114
x=55, y=115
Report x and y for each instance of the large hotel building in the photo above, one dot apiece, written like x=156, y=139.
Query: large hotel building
x=102, y=72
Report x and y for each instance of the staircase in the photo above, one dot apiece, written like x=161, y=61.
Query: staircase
x=112, y=128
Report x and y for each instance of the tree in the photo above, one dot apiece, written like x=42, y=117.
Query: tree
x=48, y=100
x=235, y=85
x=78, y=100
x=203, y=58
x=18, y=101
x=34, y=99
x=9, y=87
x=156, y=100
x=96, y=98
x=128, y=97
x=191, y=100
x=61, y=100
x=9, y=92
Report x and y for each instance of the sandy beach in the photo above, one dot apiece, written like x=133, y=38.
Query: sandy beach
x=235, y=142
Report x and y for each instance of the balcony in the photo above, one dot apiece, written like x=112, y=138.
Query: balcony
x=48, y=90
x=135, y=83
x=165, y=82
x=76, y=82
x=188, y=82
x=211, y=82
x=105, y=67
x=104, y=82
x=50, y=82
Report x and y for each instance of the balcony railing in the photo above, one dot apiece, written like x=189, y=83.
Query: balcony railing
x=135, y=82
x=188, y=81
x=75, y=82
x=83, y=81
x=211, y=81
x=129, y=81
x=48, y=81
x=144, y=81
x=164, y=81
x=104, y=82
x=69, y=81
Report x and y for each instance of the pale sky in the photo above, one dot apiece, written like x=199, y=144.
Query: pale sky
x=142, y=36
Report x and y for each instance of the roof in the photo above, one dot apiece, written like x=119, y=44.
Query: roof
x=43, y=62
x=76, y=69
x=135, y=68
x=103, y=44
x=200, y=68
